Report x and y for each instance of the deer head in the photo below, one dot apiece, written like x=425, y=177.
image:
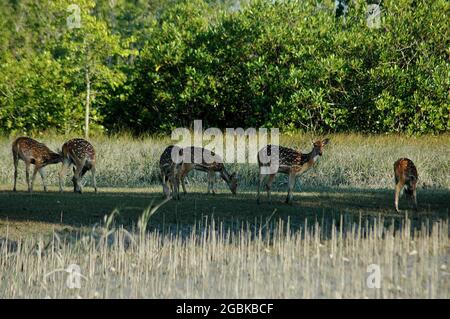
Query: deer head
x=318, y=146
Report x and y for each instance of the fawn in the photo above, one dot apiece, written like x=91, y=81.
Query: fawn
x=405, y=175
x=290, y=162
x=32, y=152
x=81, y=154
x=169, y=171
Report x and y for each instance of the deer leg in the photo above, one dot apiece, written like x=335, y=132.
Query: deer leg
x=261, y=180
x=268, y=186
x=177, y=179
x=164, y=181
x=168, y=186
x=291, y=184
x=64, y=167
x=76, y=181
x=36, y=169
x=27, y=175
x=94, y=181
x=415, y=199
x=42, y=173
x=174, y=185
x=170, y=182
x=398, y=189
x=209, y=183
x=213, y=182
x=16, y=163
x=183, y=183
x=414, y=195
x=183, y=171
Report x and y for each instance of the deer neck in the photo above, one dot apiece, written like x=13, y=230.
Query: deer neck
x=53, y=158
x=314, y=157
x=225, y=176
x=310, y=158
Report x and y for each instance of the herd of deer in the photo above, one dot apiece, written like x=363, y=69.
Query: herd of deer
x=77, y=152
x=80, y=154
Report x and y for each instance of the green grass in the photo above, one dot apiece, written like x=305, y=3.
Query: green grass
x=350, y=160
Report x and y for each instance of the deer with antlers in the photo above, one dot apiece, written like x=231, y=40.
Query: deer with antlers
x=81, y=154
x=32, y=152
x=287, y=161
x=405, y=178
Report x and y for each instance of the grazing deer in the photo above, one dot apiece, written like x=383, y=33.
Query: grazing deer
x=210, y=163
x=81, y=154
x=405, y=175
x=289, y=162
x=169, y=171
x=32, y=152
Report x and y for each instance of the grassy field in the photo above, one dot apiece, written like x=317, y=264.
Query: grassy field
x=221, y=245
x=350, y=160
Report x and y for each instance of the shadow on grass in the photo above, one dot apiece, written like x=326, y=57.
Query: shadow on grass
x=31, y=213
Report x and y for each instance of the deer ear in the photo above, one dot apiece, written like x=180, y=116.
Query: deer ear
x=326, y=141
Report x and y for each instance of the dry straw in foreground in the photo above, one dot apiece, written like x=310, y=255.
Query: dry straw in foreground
x=211, y=261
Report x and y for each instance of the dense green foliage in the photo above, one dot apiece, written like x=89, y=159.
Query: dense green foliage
x=156, y=65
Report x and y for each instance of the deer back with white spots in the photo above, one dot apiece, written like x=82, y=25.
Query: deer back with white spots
x=81, y=154
x=289, y=161
x=210, y=163
x=32, y=152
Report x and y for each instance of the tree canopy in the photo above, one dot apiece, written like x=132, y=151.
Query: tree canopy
x=151, y=66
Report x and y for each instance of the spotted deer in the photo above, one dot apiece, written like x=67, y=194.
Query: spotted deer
x=81, y=154
x=32, y=152
x=405, y=177
x=290, y=162
x=211, y=163
x=169, y=171
x=208, y=162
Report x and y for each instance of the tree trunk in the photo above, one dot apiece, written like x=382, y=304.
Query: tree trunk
x=88, y=101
